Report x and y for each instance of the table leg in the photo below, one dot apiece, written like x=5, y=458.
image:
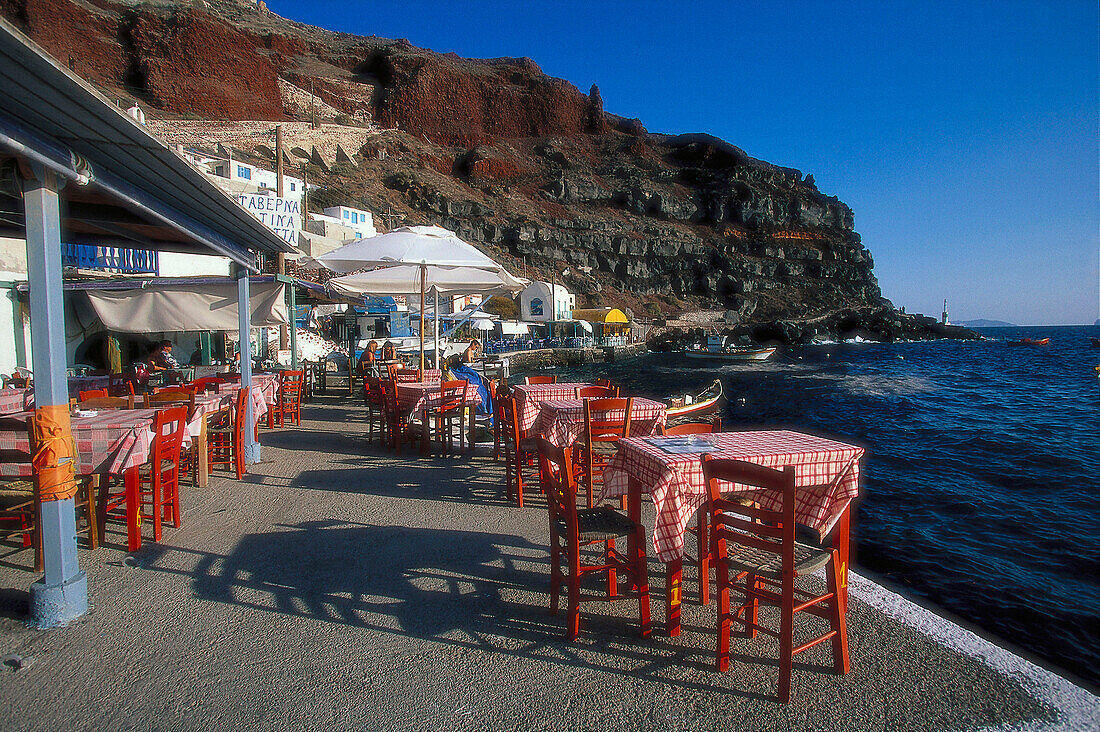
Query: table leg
x=841, y=539
x=202, y=455
x=473, y=426
x=674, y=572
x=133, y=509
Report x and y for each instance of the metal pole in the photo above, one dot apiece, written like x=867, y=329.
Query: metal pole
x=423, y=275
x=244, y=329
x=62, y=593
x=293, y=297
x=437, y=328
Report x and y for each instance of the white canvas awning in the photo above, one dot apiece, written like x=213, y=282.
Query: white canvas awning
x=514, y=328
x=405, y=279
x=194, y=307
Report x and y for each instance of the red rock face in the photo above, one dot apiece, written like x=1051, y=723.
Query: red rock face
x=70, y=31
x=435, y=97
x=192, y=63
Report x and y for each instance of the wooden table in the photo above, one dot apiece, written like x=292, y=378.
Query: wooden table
x=827, y=480
x=561, y=421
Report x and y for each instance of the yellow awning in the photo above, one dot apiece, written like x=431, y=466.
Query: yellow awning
x=601, y=315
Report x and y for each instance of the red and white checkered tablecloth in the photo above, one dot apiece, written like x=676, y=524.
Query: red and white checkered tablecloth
x=529, y=397
x=15, y=400
x=414, y=397
x=111, y=441
x=561, y=421
x=263, y=395
x=827, y=469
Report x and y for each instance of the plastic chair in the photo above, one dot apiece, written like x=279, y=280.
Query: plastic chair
x=518, y=450
x=289, y=403
x=225, y=441
x=601, y=433
x=540, y=379
x=758, y=546
x=571, y=530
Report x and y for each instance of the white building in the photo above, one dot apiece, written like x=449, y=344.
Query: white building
x=536, y=303
x=358, y=220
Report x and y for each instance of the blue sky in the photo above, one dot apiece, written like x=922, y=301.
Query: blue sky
x=963, y=135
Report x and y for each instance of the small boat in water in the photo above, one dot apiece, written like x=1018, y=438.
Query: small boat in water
x=694, y=405
x=732, y=354
x=1030, y=342
x=717, y=350
x=1095, y=342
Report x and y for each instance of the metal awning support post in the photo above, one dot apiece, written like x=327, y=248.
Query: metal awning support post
x=244, y=333
x=293, y=297
x=62, y=593
x=437, y=365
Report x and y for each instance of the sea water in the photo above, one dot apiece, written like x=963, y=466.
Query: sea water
x=981, y=483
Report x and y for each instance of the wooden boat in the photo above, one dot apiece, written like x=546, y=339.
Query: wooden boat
x=1095, y=342
x=731, y=354
x=694, y=405
x=1030, y=342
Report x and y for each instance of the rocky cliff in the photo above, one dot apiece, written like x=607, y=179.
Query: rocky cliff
x=524, y=165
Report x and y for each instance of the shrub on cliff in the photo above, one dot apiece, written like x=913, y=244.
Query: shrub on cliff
x=503, y=306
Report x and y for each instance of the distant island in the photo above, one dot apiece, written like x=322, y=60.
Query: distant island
x=987, y=324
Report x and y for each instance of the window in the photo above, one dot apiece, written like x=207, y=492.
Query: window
x=358, y=235
x=292, y=187
x=347, y=215
x=243, y=172
x=536, y=307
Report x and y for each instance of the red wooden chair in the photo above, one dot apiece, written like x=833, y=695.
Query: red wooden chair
x=405, y=376
x=519, y=451
x=93, y=394
x=288, y=407
x=225, y=441
x=700, y=529
x=393, y=425
x=758, y=546
x=599, y=442
x=159, y=478
x=540, y=379
x=595, y=392
x=450, y=407
x=108, y=402
x=208, y=383
x=572, y=530
x=177, y=389
x=372, y=398
x=120, y=385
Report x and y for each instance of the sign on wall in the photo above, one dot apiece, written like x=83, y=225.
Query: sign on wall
x=281, y=215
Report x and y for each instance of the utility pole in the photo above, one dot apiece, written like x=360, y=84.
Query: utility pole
x=280, y=257
x=312, y=107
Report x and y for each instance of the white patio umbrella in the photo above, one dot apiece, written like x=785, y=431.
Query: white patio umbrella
x=435, y=256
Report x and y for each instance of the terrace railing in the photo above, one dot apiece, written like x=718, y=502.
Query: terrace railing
x=110, y=259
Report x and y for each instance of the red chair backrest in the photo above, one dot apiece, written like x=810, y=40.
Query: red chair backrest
x=405, y=376
x=596, y=392
x=694, y=428
x=452, y=395
x=168, y=428
x=93, y=393
x=540, y=379
x=290, y=385
x=120, y=385
x=746, y=523
x=187, y=389
x=557, y=479
x=601, y=421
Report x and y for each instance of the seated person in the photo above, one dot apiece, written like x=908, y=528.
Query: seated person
x=472, y=351
x=456, y=369
x=160, y=359
x=389, y=351
x=368, y=361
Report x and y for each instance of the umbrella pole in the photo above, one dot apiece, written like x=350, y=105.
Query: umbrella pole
x=423, y=272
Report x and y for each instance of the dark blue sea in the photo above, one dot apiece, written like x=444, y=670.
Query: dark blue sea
x=981, y=482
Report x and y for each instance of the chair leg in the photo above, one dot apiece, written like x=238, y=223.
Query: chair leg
x=786, y=641
x=555, y=575
x=704, y=558
x=641, y=580
x=721, y=576
x=573, y=624
x=89, y=508
x=612, y=579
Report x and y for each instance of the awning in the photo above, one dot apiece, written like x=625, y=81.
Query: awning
x=514, y=328
x=199, y=307
x=601, y=315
